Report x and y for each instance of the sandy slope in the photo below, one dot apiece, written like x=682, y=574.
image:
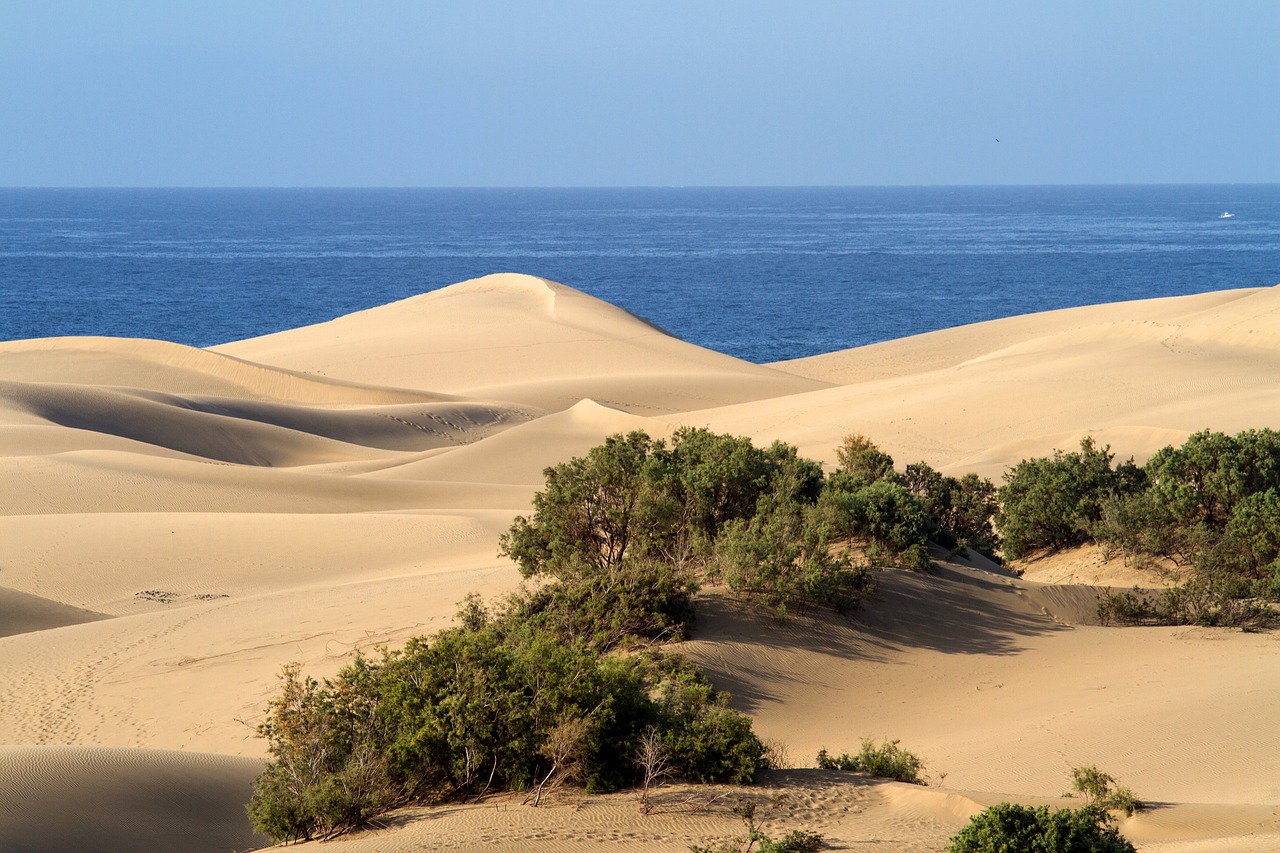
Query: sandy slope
x=516, y=337
x=138, y=800
x=177, y=524
x=1136, y=375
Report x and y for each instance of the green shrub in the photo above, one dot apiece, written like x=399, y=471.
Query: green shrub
x=494, y=703
x=1204, y=479
x=782, y=557
x=636, y=497
x=961, y=509
x=1100, y=789
x=1191, y=603
x=887, y=761
x=636, y=600
x=592, y=512
x=884, y=515
x=705, y=739
x=1006, y=828
x=1052, y=503
x=327, y=774
x=862, y=461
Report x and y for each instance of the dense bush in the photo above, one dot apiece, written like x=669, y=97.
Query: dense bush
x=637, y=600
x=960, y=509
x=1050, y=503
x=883, y=512
x=594, y=511
x=1006, y=828
x=765, y=521
x=499, y=705
x=1210, y=508
x=653, y=513
x=783, y=557
x=898, y=514
x=328, y=773
x=1203, y=480
x=887, y=761
x=535, y=693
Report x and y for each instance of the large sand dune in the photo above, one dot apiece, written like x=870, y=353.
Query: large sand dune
x=178, y=524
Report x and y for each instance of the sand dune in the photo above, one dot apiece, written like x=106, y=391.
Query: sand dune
x=250, y=432
x=178, y=524
x=516, y=337
x=1136, y=375
x=22, y=613
x=54, y=799
x=165, y=367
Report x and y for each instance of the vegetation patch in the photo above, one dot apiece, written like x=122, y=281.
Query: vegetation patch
x=1100, y=789
x=499, y=705
x=1006, y=828
x=1211, y=508
x=795, y=841
x=887, y=761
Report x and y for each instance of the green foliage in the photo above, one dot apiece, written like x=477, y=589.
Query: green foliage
x=632, y=520
x=591, y=512
x=1134, y=525
x=1051, y=503
x=961, y=509
x=887, y=761
x=497, y=702
x=1190, y=603
x=706, y=740
x=897, y=515
x=884, y=513
x=1210, y=507
x=1250, y=544
x=1204, y=479
x=1006, y=828
x=765, y=521
x=783, y=557
x=863, y=462
x=636, y=600
x=1100, y=789
x=326, y=775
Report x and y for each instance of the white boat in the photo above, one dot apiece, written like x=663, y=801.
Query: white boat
x=1226, y=215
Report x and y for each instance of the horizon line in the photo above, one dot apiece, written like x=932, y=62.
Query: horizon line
x=628, y=186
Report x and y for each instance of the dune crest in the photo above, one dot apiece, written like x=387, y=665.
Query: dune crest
x=174, y=368
x=524, y=339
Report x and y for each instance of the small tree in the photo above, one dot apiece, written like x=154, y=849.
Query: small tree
x=654, y=760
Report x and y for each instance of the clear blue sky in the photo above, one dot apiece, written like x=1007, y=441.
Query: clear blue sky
x=605, y=93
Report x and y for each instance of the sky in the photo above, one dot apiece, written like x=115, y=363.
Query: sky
x=639, y=93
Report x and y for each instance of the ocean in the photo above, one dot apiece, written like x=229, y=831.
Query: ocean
x=764, y=274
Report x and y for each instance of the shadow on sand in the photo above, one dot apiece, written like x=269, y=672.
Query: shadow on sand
x=955, y=610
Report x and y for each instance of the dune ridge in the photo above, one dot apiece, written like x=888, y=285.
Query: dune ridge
x=178, y=524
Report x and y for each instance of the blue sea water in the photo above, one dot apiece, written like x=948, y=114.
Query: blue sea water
x=764, y=274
